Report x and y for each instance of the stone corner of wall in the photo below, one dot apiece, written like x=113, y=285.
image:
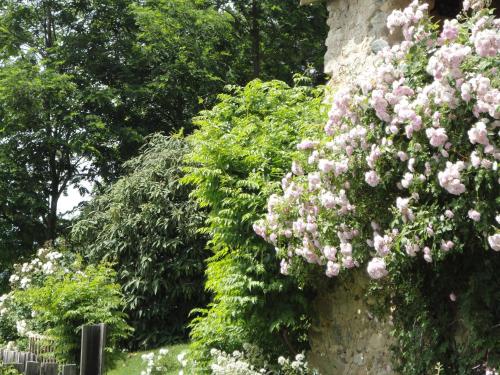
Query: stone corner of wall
x=347, y=337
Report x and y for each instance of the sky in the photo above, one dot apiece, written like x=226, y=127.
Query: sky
x=71, y=200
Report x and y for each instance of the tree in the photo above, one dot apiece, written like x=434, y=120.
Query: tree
x=146, y=224
x=127, y=69
x=48, y=142
x=47, y=145
x=276, y=39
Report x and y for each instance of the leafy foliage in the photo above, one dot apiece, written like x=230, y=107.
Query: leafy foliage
x=54, y=294
x=65, y=302
x=48, y=143
x=265, y=31
x=45, y=140
x=83, y=82
x=238, y=156
x=8, y=370
x=431, y=328
x=146, y=224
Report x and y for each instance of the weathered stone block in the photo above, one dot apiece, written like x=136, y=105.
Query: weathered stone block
x=345, y=337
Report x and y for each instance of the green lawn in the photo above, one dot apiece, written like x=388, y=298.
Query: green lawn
x=133, y=364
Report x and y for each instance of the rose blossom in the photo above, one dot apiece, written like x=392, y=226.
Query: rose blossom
x=332, y=269
x=427, y=255
x=284, y=267
x=487, y=43
x=479, y=134
x=437, y=137
x=377, y=268
x=447, y=245
x=449, y=214
x=382, y=244
x=474, y=215
x=494, y=241
x=449, y=179
x=307, y=144
x=372, y=178
x=325, y=165
x=450, y=30
x=330, y=252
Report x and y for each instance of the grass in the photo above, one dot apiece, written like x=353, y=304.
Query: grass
x=133, y=364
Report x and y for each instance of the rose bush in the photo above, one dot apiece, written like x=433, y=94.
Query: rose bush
x=408, y=164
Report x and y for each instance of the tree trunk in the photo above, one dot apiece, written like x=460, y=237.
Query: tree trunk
x=53, y=199
x=54, y=194
x=255, y=36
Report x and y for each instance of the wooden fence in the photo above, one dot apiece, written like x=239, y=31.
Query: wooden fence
x=39, y=359
x=43, y=347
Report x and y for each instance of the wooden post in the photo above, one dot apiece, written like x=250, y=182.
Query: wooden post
x=32, y=368
x=9, y=356
x=69, y=370
x=49, y=369
x=92, y=354
x=22, y=357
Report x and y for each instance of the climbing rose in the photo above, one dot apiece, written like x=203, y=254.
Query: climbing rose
x=409, y=150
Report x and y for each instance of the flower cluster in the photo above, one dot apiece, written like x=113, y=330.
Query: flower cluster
x=239, y=363
x=156, y=364
x=47, y=262
x=296, y=366
x=232, y=364
x=409, y=156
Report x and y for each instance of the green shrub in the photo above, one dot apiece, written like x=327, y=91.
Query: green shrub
x=239, y=154
x=69, y=299
x=8, y=370
x=430, y=327
x=146, y=224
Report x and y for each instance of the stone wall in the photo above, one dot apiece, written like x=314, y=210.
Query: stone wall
x=357, y=29
x=346, y=338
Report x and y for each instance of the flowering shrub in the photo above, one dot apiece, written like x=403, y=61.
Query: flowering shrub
x=54, y=295
x=157, y=364
x=409, y=163
x=47, y=262
x=14, y=317
x=249, y=361
x=239, y=363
